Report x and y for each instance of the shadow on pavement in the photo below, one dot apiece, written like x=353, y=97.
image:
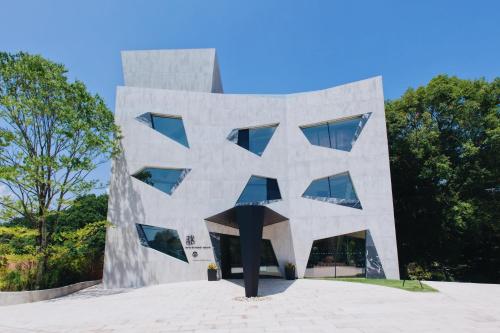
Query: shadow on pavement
x=267, y=287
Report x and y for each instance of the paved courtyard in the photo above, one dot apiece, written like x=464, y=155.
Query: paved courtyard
x=299, y=306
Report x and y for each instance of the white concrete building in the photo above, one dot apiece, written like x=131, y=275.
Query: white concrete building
x=318, y=161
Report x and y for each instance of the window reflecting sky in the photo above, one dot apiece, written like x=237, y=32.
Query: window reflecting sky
x=253, y=139
x=339, y=135
x=259, y=190
x=336, y=189
x=165, y=180
x=171, y=127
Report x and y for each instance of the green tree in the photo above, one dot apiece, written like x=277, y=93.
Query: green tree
x=76, y=248
x=77, y=255
x=444, y=142
x=82, y=211
x=53, y=133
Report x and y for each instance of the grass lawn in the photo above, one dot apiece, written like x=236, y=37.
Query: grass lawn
x=410, y=285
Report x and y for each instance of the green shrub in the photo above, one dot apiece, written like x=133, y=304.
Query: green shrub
x=18, y=272
x=74, y=256
x=17, y=240
x=417, y=272
x=77, y=256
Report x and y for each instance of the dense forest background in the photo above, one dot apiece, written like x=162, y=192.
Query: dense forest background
x=444, y=143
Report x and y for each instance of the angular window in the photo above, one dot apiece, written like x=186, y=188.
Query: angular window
x=172, y=127
x=339, y=256
x=253, y=139
x=259, y=191
x=348, y=255
x=165, y=180
x=164, y=240
x=337, y=189
x=374, y=267
x=340, y=134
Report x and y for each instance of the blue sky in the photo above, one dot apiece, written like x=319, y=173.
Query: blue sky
x=265, y=46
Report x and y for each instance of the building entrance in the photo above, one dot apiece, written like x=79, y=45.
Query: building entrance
x=230, y=258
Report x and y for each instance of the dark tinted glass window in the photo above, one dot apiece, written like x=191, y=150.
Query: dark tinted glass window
x=165, y=180
x=336, y=189
x=164, y=240
x=267, y=256
x=338, y=256
x=253, y=139
x=230, y=262
x=259, y=190
x=336, y=134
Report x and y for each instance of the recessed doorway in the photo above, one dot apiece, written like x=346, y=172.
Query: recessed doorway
x=228, y=254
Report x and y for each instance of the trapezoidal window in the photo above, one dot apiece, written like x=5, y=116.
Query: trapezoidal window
x=337, y=189
x=347, y=255
x=253, y=139
x=336, y=134
x=170, y=126
x=339, y=256
x=259, y=191
x=165, y=180
x=164, y=240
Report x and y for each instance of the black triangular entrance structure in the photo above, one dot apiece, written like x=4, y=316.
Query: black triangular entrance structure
x=250, y=220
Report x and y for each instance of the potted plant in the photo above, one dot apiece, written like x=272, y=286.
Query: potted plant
x=417, y=272
x=290, y=271
x=212, y=272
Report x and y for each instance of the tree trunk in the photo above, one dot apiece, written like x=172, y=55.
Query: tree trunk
x=43, y=253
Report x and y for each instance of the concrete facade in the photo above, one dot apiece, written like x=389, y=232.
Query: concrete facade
x=187, y=84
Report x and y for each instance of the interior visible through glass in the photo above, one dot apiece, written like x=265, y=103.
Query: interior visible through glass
x=231, y=263
x=339, y=256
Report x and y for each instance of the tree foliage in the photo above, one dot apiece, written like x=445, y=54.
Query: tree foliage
x=76, y=250
x=53, y=133
x=444, y=142
x=84, y=209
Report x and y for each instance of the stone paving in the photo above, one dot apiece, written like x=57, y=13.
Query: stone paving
x=299, y=306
